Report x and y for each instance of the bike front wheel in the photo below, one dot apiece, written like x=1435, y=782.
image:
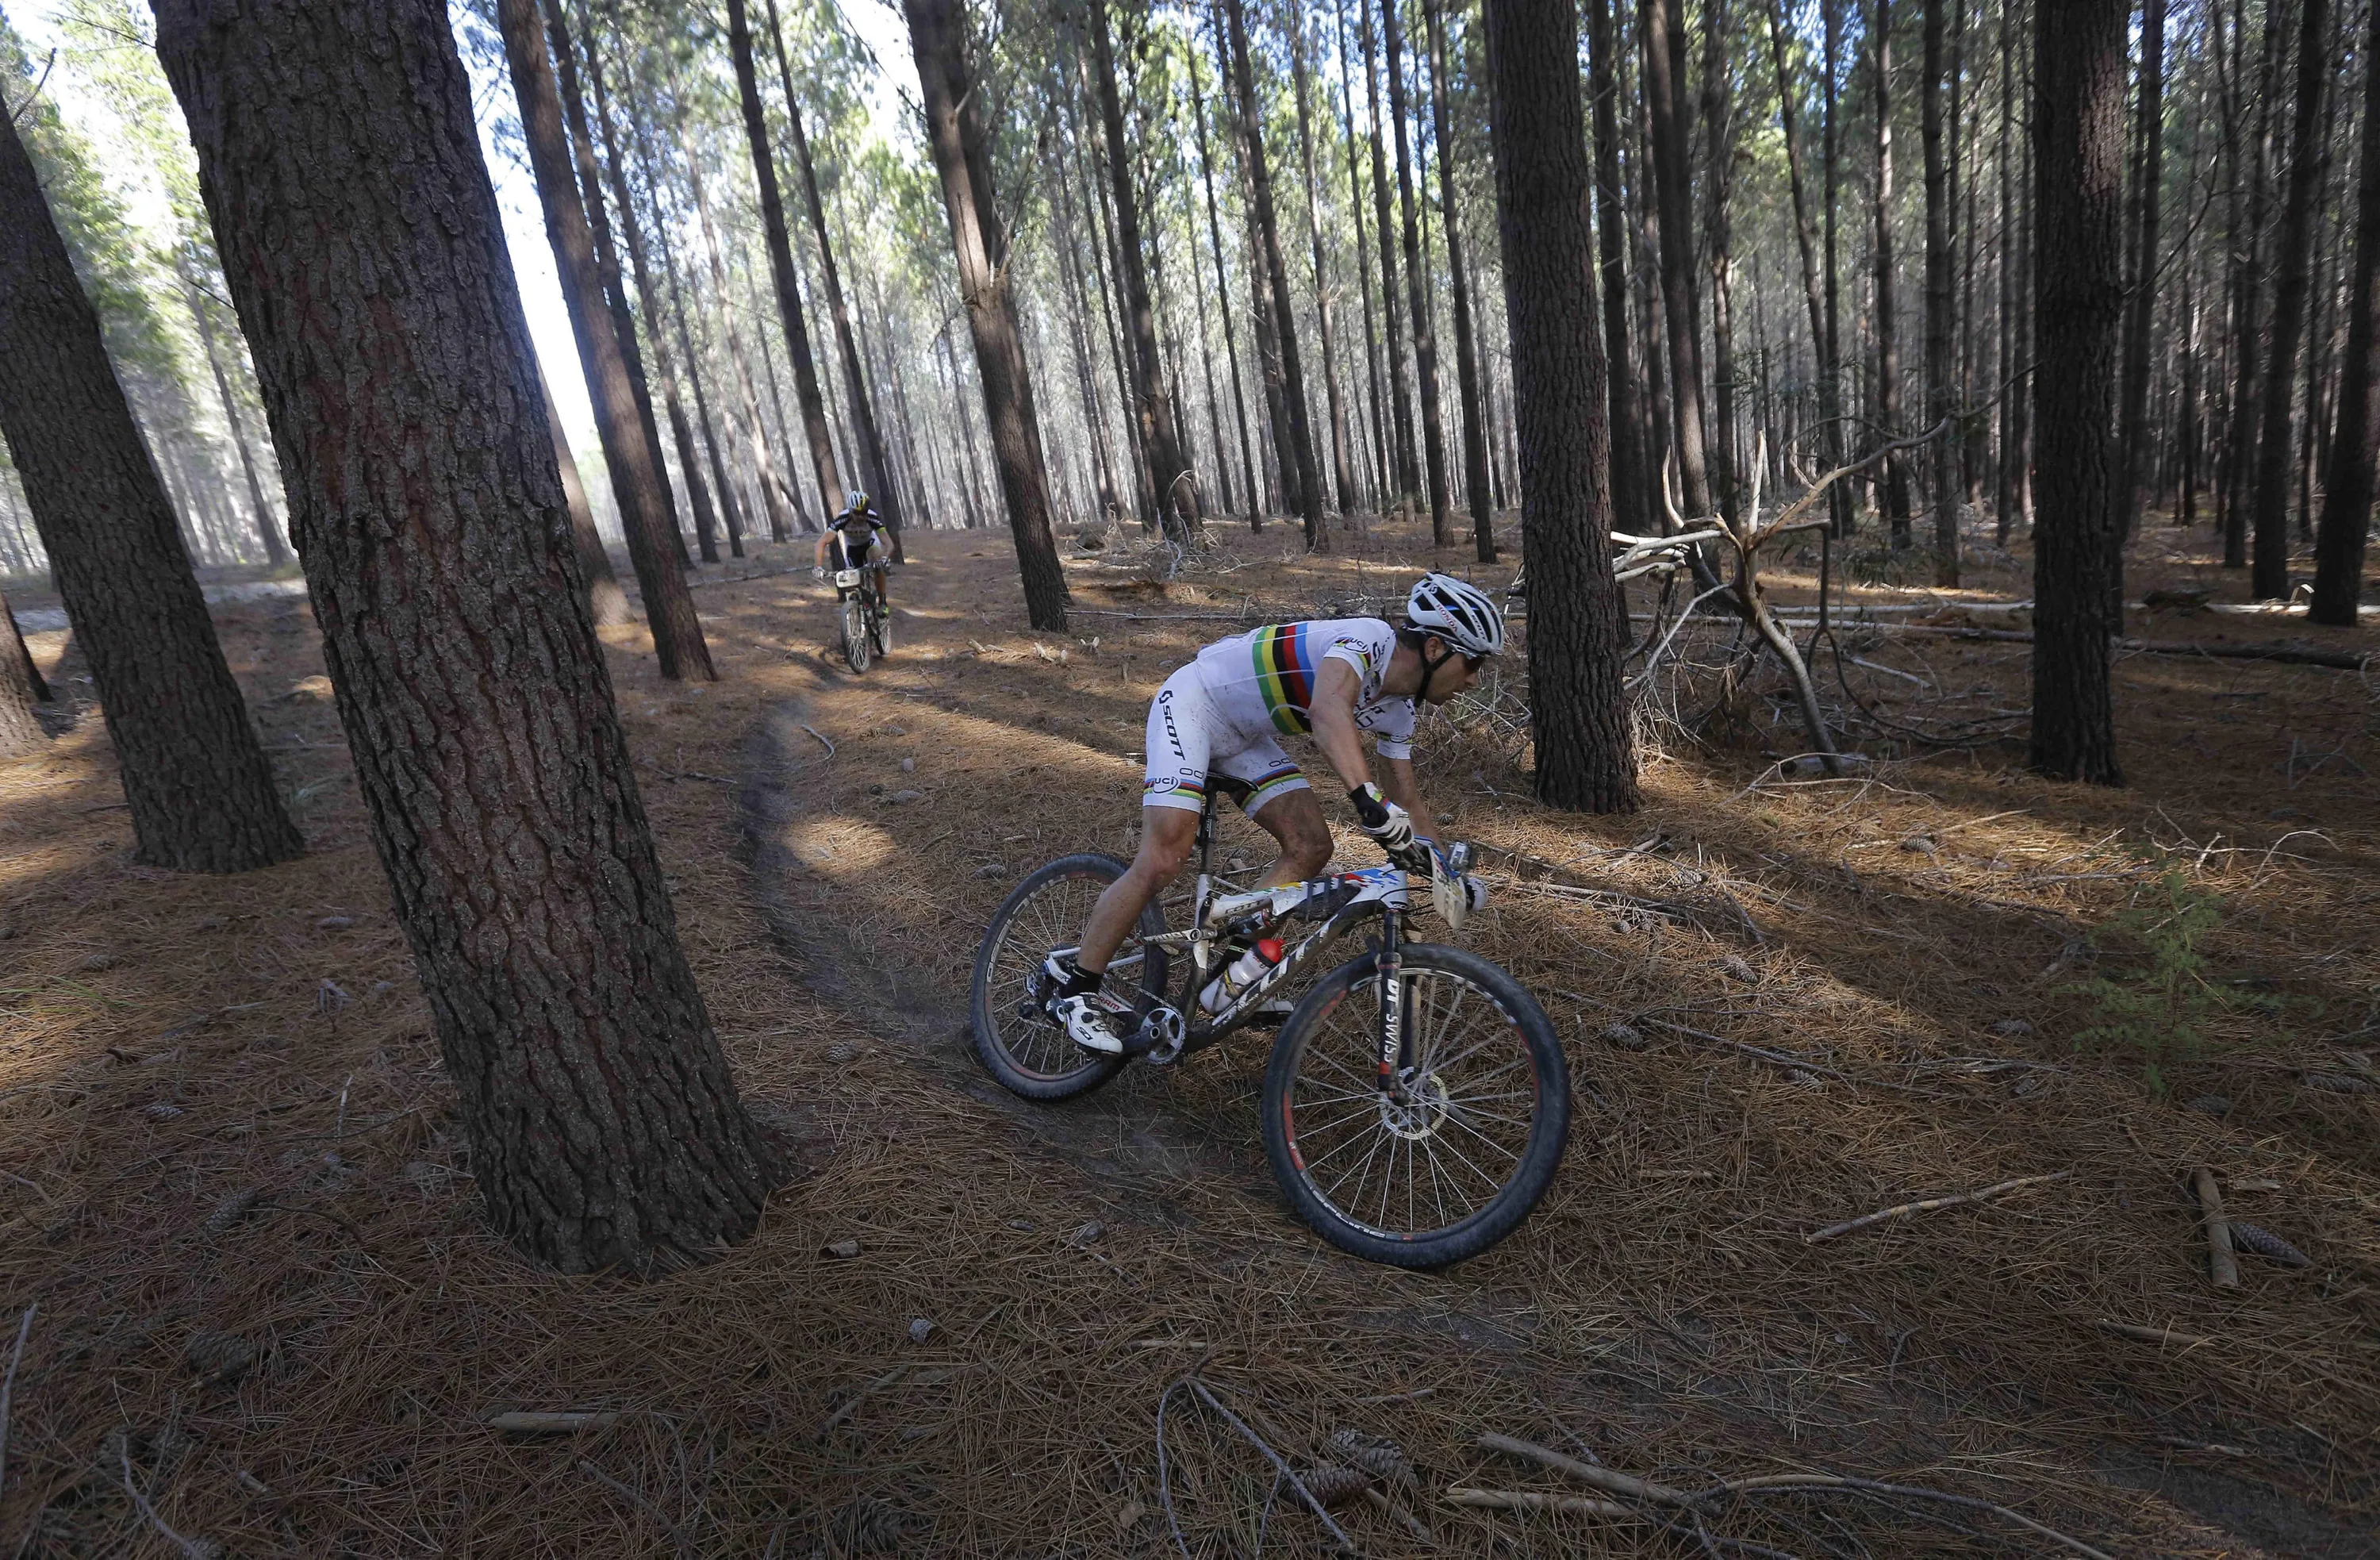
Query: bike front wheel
x=1456, y=1162
x=854, y=633
x=1015, y=1040
x=879, y=624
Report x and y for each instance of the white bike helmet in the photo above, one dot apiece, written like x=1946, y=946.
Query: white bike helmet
x=1457, y=612
x=855, y=501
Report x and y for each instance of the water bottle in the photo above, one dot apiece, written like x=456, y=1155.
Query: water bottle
x=1244, y=971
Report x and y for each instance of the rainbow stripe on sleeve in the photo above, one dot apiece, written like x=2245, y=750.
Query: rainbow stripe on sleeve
x=1285, y=675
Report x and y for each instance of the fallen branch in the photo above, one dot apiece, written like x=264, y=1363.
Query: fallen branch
x=1530, y=1500
x=2159, y=1335
x=1278, y=1461
x=1606, y=1478
x=195, y=1549
x=1928, y=1205
x=569, y=1421
x=2221, y=1265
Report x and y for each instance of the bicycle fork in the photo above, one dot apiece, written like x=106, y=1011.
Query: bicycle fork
x=1392, y=996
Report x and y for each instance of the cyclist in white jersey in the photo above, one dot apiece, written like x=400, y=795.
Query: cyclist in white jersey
x=1216, y=725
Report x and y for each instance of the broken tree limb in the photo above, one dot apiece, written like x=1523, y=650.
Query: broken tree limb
x=1278, y=1461
x=1606, y=1479
x=562, y=1422
x=1530, y=1500
x=1927, y=1205
x=2221, y=1265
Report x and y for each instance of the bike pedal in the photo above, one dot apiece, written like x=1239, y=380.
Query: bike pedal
x=1160, y=1034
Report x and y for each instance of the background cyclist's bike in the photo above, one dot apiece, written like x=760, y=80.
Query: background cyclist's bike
x=867, y=626
x=1418, y=1101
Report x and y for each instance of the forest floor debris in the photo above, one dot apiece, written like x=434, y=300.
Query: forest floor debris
x=1662, y=1303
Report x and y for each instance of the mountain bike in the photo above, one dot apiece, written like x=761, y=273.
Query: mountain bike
x=866, y=621
x=1418, y=1101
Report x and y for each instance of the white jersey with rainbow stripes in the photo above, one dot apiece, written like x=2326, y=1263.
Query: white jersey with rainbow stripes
x=1262, y=681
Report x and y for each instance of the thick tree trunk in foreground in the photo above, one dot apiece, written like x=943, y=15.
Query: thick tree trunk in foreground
x=1153, y=408
x=1466, y=357
x=605, y=1130
x=637, y=484
x=1433, y=415
x=1632, y=497
x=1300, y=454
x=780, y=265
x=962, y=158
x=2078, y=545
x=200, y=789
x=605, y=601
x=1681, y=311
x=1578, y=621
x=875, y=467
x=2134, y=418
x=2355, y=439
x=2292, y=279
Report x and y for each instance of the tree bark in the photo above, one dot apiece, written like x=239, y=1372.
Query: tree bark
x=1383, y=457
x=1223, y=298
x=2139, y=319
x=2009, y=396
x=1718, y=177
x=637, y=483
x=605, y=1130
x=780, y=264
x=606, y=602
x=1342, y=472
x=1466, y=357
x=1804, y=235
x=607, y=261
x=1152, y=399
x=2248, y=263
x=962, y=158
x=20, y=690
x=1895, y=486
x=23, y=654
x=1300, y=453
x=2078, y=545
x=1408, y=461
x=200, y=789
x=706, y=523
x=875, y=467
x=1632, y=501
x=1839, y=505
x=2270, y=577
x=1425, y=336
x=1681, y=310
x=1577, y=617
x=2355, y=438
x=1941, y=325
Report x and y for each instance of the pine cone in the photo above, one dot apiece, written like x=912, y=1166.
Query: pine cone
x=1377, y=1455
x=2266, y=1244
x=1335, y=1485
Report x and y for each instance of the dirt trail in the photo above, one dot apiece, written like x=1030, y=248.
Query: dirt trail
x=170, y=1046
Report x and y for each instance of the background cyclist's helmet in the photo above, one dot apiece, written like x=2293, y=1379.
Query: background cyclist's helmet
x=1459, y=612
x=855, y=501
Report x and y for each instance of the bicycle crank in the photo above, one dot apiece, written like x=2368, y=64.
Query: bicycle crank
x=1160, y=1039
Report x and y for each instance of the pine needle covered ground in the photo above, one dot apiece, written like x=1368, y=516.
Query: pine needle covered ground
x=269, y=1315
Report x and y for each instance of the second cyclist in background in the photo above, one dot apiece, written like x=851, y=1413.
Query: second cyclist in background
x=860, y=532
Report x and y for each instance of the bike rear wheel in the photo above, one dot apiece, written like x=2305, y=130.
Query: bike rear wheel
x=1013, y=1039
x=1458, y=1164
x=855, y=633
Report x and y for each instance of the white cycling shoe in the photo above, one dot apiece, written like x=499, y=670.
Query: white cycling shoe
x=1091, y=1020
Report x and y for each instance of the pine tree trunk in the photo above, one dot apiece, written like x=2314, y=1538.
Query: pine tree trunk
x=607, y=261
x=2004, y=469
x=1813, y=294
x=1383, y=460
x=1895, y=486
x=1341, y=470
x=1152, y=397
x=20, y=690
x=875, y=470
x=606, y=602
x=2248, y=261
x=1300, y=453
x=1433, y=417
x=1578, y=620
x=1223, y=298
x=200, y=789
x=962, y=158
x=730, y=509
x=1468, y=389
x=2078, y=545
x=1087, y=382
x=1663, y=46
x=637, y=486
x=1631, y=499
x=1719, y=178
x=1391, y=302
x=1941, y=325
x=780, y=264
x=2355, y=438
x=706, y=523
x=268, y=529
x=1830, y=367
x=605, y=1130
x=2148, y=186
x=2270, y=580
